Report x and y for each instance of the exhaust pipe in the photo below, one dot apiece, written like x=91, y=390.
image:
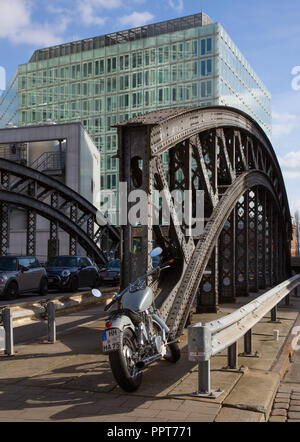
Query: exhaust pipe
x=147, y=361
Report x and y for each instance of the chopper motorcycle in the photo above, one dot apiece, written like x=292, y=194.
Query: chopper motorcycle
x=135, y=334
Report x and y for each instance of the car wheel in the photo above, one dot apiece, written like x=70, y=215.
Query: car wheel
x=43, y=287
x=12, y=291
x=74, y=284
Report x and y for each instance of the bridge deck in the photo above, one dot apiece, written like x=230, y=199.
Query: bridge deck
x=72, y=381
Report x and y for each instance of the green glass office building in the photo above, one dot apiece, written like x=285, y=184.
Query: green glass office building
x=103, y=80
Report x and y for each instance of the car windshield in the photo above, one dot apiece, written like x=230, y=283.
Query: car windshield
x=62, y=261
x=8, y=264
x=113, y=265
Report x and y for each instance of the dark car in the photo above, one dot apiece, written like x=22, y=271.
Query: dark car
x=71, y=273
x=21, y=274
x=110, y=273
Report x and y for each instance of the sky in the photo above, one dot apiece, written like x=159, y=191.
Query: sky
x=266, y=31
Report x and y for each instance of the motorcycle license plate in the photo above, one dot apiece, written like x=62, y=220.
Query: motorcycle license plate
x=111, y=340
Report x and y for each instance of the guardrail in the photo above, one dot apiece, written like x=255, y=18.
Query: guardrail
x=206, y=341
x=43, y=310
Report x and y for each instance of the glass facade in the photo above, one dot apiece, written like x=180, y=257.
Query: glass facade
x=108, y=79
x=9, y=104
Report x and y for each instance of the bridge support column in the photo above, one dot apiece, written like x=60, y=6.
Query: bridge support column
x=242, y=257
x=31, y=233
x=208, y=292
x=253, y=240
x=227, y=260
x=4, y=217
x=275, y=249
x=137, y=174
x=53, y=244
x=262, y=239
x=73, y=239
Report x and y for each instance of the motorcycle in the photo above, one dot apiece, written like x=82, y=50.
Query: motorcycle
x=135, y=334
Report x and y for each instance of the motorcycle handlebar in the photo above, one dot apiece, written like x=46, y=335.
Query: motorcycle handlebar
x=150, y=272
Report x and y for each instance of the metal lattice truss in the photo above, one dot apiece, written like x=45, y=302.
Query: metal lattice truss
x=245, y=243
x=42, y=195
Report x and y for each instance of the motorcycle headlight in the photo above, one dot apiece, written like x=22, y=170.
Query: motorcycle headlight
x=65, y=273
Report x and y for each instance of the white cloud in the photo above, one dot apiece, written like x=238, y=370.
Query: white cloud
x=290, y=165
x=17, y=26
x=177, y=5
x=284, y=124
x=86, y=11
x=136, y=19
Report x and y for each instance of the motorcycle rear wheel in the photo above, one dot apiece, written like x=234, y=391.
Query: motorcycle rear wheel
x=122, y=364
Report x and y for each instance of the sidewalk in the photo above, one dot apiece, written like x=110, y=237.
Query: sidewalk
x=72, y=381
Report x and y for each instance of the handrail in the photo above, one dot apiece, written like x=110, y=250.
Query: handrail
x=205, y=341
x=49, y=160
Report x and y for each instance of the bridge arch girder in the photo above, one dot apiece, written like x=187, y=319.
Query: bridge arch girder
x=40, y=194
x=216, y=149
x=177, y=315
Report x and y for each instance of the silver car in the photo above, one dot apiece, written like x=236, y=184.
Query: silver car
x=21, y=274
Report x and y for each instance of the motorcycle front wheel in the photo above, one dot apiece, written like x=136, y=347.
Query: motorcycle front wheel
x=123, y=365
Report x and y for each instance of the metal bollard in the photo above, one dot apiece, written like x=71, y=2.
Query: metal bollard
x=204, y=377
x=274, y=314
x=248, y=343
x=232, y=356
x=51, y=322
x=9, y=331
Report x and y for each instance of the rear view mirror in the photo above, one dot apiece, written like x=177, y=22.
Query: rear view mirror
x=96, y=293
x=156, y=252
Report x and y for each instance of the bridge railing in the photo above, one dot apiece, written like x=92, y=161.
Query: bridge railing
x=205, y=341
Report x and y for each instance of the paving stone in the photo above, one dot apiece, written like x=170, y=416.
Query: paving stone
x=294, y=408
x=256, y=389
x=279, y=412
x=175, y=416
x=294, y=414
x=195, y=417
x=199, y=407
x=165, y=404
x=293, y=420
x=284, y=389
x=281, y=405
x=281, y=400
x=282, y=395
x=295, y=403
x=277, y=419
x=228, y=414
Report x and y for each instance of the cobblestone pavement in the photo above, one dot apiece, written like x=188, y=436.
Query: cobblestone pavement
x=286, y=407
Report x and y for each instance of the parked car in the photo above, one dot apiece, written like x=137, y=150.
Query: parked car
x=21, y=274
x=71, y=273
x=110, y=273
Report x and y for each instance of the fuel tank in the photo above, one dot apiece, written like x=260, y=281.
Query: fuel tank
x=138, y=301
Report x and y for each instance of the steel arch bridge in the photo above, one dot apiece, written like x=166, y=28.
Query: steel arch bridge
x=39, y=194
x=245, y=245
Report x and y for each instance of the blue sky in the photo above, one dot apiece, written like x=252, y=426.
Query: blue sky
x=266, y=31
